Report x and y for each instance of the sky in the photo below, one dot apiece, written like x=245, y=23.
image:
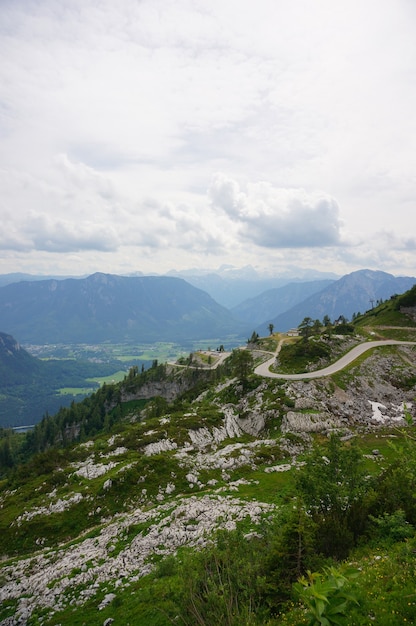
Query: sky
x=151, y=135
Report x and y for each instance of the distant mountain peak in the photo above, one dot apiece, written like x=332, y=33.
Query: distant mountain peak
x=353, y=293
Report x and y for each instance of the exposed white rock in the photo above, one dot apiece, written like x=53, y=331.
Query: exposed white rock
x=54, y=507
x=233, y=426
x=309, y=422
x=253, y=424
x=304, y=403
x=90, y=470
x=201, y=437
x=53, y=578
x=118, y=451
x=230, y=429
x=377, y=414
x=87, y=444
x=164, y=445
x=285, y=467
x=44, y=580
x=124, y=468
x=235, y=484
x=224, y=458
x=382, y=414
x=107, y=600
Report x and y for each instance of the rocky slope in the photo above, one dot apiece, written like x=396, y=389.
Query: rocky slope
x=96, y=523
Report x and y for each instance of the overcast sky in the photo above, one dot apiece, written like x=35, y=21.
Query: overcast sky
x=147, y=135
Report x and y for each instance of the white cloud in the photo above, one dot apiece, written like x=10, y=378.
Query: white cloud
x=279, y=218
x=114, y=117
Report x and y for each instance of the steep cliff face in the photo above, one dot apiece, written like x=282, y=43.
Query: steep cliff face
x=168, y=390
x=16, y=365
x=410, y=311
x=8, y=345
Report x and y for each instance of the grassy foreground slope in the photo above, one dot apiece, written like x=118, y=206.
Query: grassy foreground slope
x=207, y=507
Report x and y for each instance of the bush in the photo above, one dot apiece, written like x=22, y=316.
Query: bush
x=221, y=584
x=326, y=596
x=335, y=490
x=390, y=528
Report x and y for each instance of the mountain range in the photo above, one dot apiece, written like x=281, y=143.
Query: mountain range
x=230, y=287
x=146, y=309
x=105, y=307
x=276, y=301
x=353, y=293
x=227, y=285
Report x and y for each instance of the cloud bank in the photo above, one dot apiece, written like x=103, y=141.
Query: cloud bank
x=151, y=135
x=278, y=218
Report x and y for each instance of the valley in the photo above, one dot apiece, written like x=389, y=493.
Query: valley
x=74, y=371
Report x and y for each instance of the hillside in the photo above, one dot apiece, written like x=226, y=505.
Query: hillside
x=353, y=293
x=111, y=308
x=30, y=387
x=117, y=524
x=17, y=277
x=276, y=301
x=231, y=287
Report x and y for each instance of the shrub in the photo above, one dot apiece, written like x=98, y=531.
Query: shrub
x=326, y=596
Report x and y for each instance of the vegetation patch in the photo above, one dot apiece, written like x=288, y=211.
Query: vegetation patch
x=297, y=357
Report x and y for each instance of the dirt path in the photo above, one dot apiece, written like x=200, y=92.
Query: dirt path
x=263, y=368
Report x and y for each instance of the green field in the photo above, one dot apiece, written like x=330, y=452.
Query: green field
x=122, y=356
x=112, y=378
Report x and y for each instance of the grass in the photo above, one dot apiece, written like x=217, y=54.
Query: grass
x=8, y=609
x=384, y=315
x=272, y=488
x=135, y=606
x=384, y=589
x=268, y=344
x=112, y=378
x=76, y=391
x=404, y=334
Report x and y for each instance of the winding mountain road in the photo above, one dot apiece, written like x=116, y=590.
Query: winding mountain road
x=263, y=368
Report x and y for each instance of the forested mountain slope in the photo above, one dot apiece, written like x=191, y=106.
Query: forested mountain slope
x=354, y=293
x=273, y=302
x=29, y=387
x=104, y=307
